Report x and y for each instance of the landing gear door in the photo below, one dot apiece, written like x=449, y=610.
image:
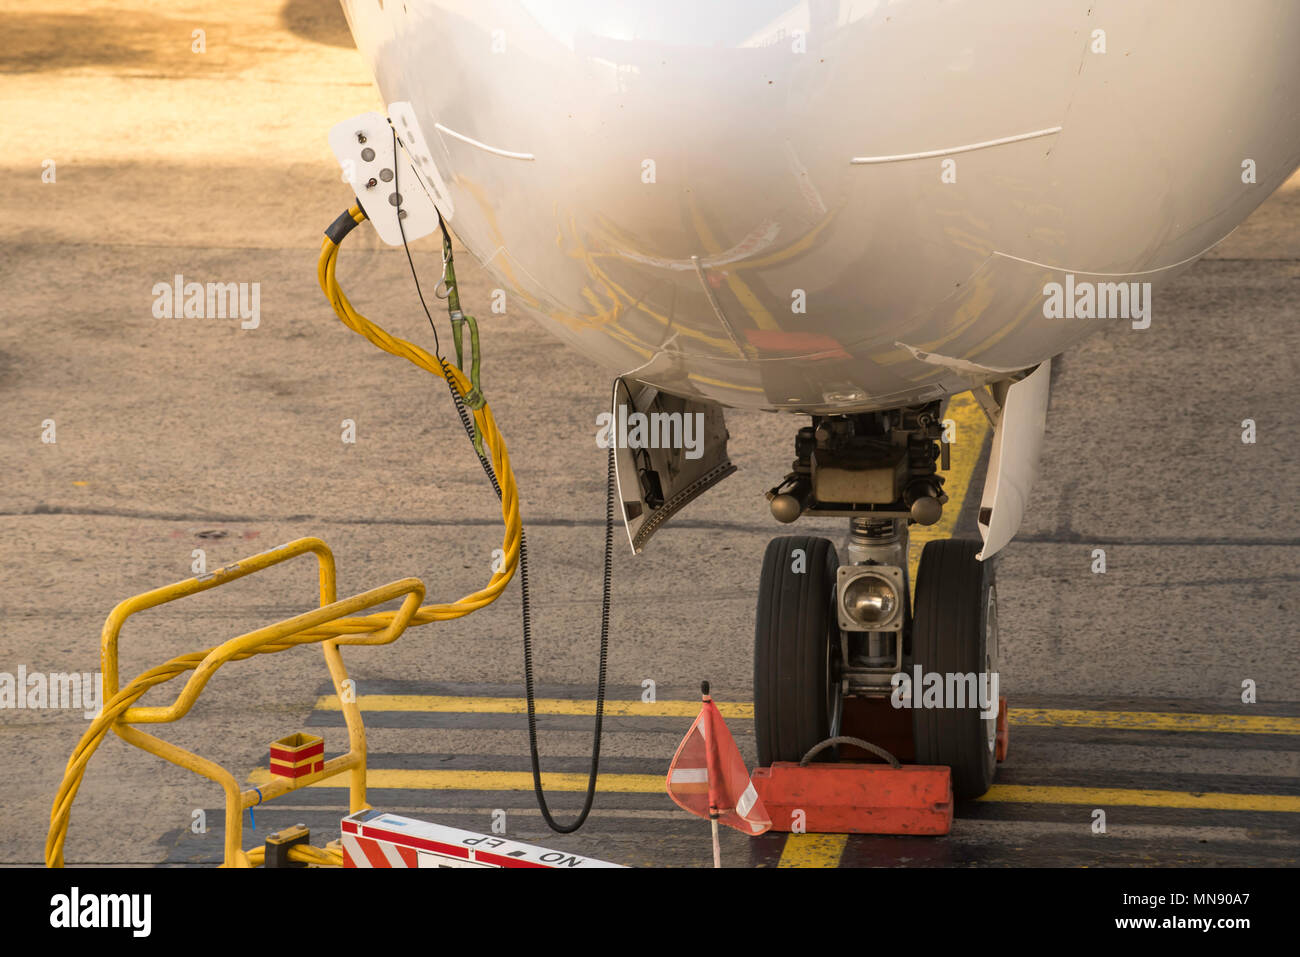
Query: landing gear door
x=1013, y=462
x=667, y=451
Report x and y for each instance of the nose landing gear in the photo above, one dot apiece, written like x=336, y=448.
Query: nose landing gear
x=833, y=642
x=801, y=675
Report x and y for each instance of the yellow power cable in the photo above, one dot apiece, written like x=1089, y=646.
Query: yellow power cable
x=325, y=274
x=320, y=856
x=76, y=767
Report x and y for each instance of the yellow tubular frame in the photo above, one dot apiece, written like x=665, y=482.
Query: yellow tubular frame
x=119, y=715
x=332, y=624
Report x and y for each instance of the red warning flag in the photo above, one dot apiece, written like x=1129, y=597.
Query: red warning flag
x=708, y=776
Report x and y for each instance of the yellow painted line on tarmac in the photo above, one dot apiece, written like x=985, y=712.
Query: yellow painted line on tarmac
x=1153, y=721
x=456, y=704
x=744, y=710
x=1134, y=797
x=972, y=427
x=813, y=850
x=421, y=779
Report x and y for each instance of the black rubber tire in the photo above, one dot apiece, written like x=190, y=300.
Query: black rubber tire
x=950, y=635
x=796, y=637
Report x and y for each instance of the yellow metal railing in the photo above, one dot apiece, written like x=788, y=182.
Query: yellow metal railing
x=332, y=624
x=119, y=714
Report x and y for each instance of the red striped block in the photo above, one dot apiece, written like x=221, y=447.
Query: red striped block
x=297, y=755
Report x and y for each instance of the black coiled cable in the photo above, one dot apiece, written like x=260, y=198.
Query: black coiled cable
x=610, y=494
x=610, y=483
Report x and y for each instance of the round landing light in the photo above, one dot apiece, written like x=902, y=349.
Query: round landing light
x=870, y=600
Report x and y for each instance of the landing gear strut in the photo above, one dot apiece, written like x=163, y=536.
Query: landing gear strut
x=828, y=634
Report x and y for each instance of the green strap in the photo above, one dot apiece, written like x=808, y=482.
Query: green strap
x=474, y=398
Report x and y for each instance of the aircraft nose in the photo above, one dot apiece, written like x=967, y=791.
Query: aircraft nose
x=711, y=128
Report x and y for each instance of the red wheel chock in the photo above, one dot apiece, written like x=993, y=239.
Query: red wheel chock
x=861, y=798
x=856, y=798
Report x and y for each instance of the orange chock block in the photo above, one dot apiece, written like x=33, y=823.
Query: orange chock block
x=297, y=755
x=856, y=798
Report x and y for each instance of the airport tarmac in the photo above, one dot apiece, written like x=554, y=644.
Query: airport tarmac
x=172, y=435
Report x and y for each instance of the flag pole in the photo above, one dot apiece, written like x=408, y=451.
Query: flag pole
x=713, y=806
x=717, y=849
